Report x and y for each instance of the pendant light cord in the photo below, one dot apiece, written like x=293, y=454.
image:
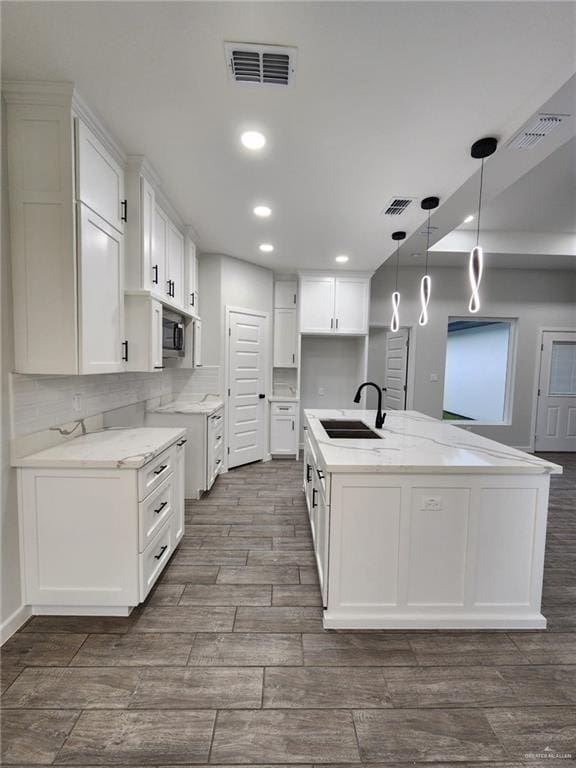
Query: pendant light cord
x=397, y=263
x=427, y=243
x=480, y=202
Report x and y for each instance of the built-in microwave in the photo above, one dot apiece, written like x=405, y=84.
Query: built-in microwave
x=173, y=341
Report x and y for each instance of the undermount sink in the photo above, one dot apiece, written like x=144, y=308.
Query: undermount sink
x=348, y=429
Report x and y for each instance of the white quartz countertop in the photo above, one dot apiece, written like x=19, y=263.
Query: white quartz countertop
x=412, y=442
x=105, y=449
x=206, y=407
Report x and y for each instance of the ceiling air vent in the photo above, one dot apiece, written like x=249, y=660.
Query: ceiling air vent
x=250, y=64
x=398, y=205
x=533, y=134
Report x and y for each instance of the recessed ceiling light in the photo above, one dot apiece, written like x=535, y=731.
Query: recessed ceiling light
x=342, y=259
x=262, y=210
x=468, y=219
x=266, y=248
x=253, y=139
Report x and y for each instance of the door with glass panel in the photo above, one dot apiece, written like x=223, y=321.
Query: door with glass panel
x=556, y=415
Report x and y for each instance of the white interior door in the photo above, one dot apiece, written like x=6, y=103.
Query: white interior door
x=396, y=369
x=247, y=393
x=556, y=416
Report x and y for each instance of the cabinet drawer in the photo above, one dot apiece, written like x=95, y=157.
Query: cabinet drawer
x=154, y=510
x=284, y=409
x=155, y=557
x=154, y=473
x=216, y=421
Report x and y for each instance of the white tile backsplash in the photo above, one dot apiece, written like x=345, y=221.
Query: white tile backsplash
x=188, y=385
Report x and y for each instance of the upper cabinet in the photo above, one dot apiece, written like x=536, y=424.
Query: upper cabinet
x=175, y=266
x=334, y=305
x=66, y=232
x=140, y=227
x=191, y=276
x=285, y=294
x=100, y=178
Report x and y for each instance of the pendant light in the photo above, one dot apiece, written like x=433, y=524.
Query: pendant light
x=480, y=150
x=395, y=322
x=428, y=204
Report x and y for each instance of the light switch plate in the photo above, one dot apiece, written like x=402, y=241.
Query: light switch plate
x=432, y=503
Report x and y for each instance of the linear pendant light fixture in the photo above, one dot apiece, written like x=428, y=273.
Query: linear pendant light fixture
x=428, y=204
x=480, y=150
x=395, y=322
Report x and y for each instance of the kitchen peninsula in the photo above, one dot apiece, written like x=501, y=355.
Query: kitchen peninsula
x=422, y=524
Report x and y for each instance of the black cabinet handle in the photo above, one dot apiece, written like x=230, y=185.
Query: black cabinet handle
x=162, y=550
x=261, y=397
x=192, y=299
x=161, y=507
x=293, y=357
x=155, y=270
x=331, y=322
x=159, y=367
x=181, y=443
x=124, y=210
x=218, y=461
x=125, y=352
x=336, y=322
x=314, y=492
x=160, y=469
x=320, y=474
x=171, y=285
x=292, y=425
x=308, y=475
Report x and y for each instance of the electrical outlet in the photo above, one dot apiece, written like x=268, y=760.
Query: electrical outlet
x=321, y=391
x=76, y=403
x=433, y=377
x=432, y=503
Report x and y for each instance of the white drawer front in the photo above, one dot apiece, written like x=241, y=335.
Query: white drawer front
x=216, y=422
x=154, y=510
x=154, y=473
x=155, y=557
x=284, y=409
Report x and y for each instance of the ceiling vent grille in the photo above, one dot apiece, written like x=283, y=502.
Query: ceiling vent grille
x=533, y=134
x=250, y=64
x=398, y=205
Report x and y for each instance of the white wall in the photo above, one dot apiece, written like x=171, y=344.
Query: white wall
x=476, y=367
x=537, y=298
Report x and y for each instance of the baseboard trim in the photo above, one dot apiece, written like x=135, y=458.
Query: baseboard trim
x=13, y=623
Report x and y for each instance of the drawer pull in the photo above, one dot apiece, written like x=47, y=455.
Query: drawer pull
x=283, y=407
x=162, y=550
x=218, y=461
x=308, y=475
x=161, y=507
x=216, y=418
x=320, y=474
x=219, y=438
x=314, y=492
x=181, y=443
x=160, y=469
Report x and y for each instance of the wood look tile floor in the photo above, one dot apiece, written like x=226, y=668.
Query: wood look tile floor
x=227, y=662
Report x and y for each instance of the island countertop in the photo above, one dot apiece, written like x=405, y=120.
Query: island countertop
x=105, y=449
x=415, y=443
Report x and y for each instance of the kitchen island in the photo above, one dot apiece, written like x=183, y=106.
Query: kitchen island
x=422, y=524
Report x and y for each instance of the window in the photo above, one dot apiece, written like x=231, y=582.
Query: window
x=477, y=375
x=563, y=368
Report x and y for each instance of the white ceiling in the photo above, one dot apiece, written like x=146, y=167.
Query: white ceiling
x=387, y=100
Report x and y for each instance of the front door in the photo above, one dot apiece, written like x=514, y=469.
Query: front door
x=556, y=416
x=247, y=394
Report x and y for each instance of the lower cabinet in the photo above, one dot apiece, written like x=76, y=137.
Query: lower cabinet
x=317, y=490
x=96, y=540
x=284, y=429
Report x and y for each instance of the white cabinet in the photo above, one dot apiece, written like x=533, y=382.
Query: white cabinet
x=191, y=277
x=284, y=429
x=285, y=338
x=337, y=305
x=351, y=304
x=101, y=308
x=179, y=485
x=175, y=265
x=197, y=351
x=139, y=227
x=317, y=491
x=285, y=294
x=143, y=333
x=66, y=235
x=159, y=251
x=317, y=305
x=96, y=540
x=100, y=178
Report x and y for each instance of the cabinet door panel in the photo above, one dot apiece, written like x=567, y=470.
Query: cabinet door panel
x=147, y=221
x=285, y=338
x=159, y=238
x=100, y=179
x=156, y=335
x=351, y=305
x=285, y=294
x=176, y=264
x=101, y=294
x=317, y=305
x=283, y=434
x=191, y=274
x=197, y=344
x=321, y=545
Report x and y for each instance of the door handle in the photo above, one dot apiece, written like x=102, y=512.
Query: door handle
x=261, y=397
